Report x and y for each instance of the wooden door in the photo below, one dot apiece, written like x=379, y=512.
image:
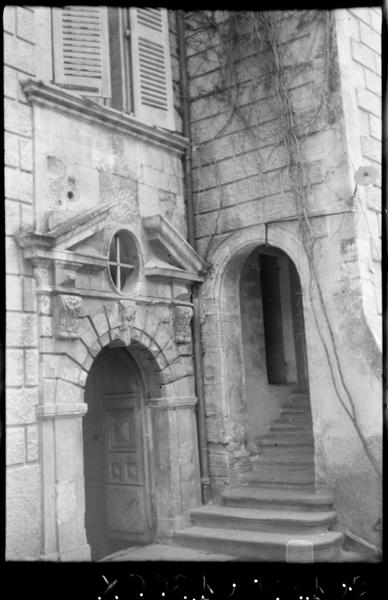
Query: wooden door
x=117, y=489
x=126, y=491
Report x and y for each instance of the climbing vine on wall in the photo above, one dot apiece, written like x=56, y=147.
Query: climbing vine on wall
x=226, y=39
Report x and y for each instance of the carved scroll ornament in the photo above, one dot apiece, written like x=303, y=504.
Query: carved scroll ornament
x=67, y=309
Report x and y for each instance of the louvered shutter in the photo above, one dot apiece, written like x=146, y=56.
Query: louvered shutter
x=151, y=68
x=81, y=49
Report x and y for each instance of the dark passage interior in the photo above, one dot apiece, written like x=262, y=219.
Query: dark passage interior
x=274, y=284
x=273, y=334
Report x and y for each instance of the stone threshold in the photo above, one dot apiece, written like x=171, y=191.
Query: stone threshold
x=165, y=552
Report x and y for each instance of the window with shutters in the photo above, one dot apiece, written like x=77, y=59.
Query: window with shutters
x=119, y=56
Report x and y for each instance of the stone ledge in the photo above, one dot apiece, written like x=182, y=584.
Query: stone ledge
x=51, y=411
x=173, y=402
x=61, y=100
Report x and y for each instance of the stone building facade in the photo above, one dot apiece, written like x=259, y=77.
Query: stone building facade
x=101, y=388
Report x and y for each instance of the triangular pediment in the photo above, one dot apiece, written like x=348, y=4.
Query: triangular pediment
x=80, y=242
x=72, y=233
x=174, y=257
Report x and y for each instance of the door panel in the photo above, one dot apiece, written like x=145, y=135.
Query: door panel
x=124, y=483
x=117, y=490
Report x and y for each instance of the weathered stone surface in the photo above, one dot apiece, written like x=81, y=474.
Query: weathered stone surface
x=21, y=329
x=14, y=371
x=113, y=314
x=31, y=367
x=20, y=405
x=371, y=148
x=12, y=256
x=32, y=443
x=100, y=322
x=12, y=217
x=375, y=128
x=44, y=302
x=17, y=118
x=29, y=294
x=46, y=327
x=16, y=445
x=11, y=150
x=25, y=24
x=23, y=497
x=376, y=20
x=87, y=333
x=14, y=289
x=9, y=18
x=370, y=38
x=363, y=55
x=369, y=101
x=69, y=369
x=68, y=393
x=49, y=391
x=66, y=500
x=25, y=154
x=182, y=316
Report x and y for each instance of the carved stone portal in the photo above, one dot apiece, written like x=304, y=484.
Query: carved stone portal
x=67, y=310
x=182, y=319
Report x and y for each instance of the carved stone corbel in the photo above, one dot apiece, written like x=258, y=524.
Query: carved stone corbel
x=182, y=316
x=66, y=313
x=127, y=310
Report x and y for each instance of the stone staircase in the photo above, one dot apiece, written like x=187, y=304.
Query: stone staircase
x=275, y=514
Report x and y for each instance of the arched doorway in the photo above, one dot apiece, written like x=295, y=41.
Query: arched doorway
x=273, y=335
x=118, y=509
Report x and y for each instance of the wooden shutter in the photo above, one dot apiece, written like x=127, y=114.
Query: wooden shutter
x=81, y=49
x=151, y=68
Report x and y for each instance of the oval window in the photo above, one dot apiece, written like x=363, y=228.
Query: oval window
x=123, y=260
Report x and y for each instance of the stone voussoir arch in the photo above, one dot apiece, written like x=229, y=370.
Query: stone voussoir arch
x=113, y=324
x=281, y=235
x=220, y=295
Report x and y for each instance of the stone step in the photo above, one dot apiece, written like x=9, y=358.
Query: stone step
x=285, y=427
x=277, y=498
x=303, y=407
x=267, y=482
x=284, y=471
x=281, y=452
x=263, y=546
x=270, y=460
x=280, y=474
x=295, y=417
x=298, y=421
x=289, y=439
x=262, y=520
x=292, y=409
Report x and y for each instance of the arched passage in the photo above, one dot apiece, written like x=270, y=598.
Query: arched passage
x=118, y=508
x=272, y=333
x=229, y=420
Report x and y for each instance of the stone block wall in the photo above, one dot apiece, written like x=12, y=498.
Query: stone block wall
x=359, y=51
x=66, y=151
x=240, y=165
x=22, y=363
x=241, y=182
